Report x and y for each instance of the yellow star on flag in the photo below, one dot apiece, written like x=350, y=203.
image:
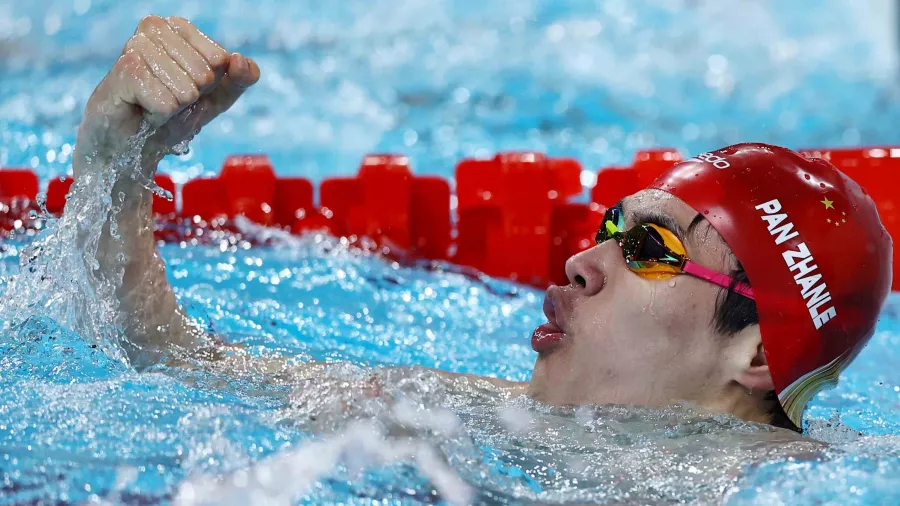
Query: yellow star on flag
x=828, y=203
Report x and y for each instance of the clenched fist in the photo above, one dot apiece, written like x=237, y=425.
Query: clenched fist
x=169, y=73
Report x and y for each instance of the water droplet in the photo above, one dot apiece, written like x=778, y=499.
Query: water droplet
x=806, y=176
x=706, y=212
x=672, y=283
x=822, y=185
x=162, y=192
x=182, y=148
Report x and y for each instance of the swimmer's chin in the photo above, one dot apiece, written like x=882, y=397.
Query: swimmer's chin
x=544, y=386
x=545, y=394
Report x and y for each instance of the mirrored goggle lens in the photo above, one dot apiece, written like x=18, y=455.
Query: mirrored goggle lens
x=613, y=223
x=645, y=246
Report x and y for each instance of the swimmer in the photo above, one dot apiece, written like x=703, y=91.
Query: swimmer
x=742, y=281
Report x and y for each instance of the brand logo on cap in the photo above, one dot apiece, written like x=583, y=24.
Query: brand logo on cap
x=812, y=286
x=716, y=160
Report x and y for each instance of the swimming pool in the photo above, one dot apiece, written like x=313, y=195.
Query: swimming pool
x=76, y=425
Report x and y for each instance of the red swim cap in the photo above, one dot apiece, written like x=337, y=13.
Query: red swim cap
x=814, y=250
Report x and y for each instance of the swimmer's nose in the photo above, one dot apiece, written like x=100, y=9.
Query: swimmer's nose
x=585, y=271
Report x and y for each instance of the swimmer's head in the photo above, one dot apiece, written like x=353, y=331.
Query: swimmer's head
x=802, y=242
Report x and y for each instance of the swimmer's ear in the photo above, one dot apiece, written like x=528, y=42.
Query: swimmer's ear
x=751, y=367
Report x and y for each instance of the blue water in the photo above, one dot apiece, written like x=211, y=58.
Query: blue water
x=435, y=80
x=440, y=79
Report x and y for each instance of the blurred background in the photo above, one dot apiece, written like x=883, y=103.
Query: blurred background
x=443, y=79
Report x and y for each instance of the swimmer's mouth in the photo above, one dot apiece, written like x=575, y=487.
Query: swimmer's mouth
x=548, y=336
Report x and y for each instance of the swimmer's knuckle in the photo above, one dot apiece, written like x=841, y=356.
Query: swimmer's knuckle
x=129, y=59
x=214, y=53
x=150, y=22
x=205, y=77
x=181, y=97
x=129, y=65
x=168, y=106
x=139, y=40
x=191, y=95
x=217, y=57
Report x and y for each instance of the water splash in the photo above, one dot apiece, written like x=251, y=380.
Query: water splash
x=182, y=148
x=60, y=277
x=283, y=478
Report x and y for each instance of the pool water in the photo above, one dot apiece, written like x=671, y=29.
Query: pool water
x=79, y=426
x=437, y=80
x=440, y=79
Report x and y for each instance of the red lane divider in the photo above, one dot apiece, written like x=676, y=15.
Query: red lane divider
x=385, y=202
x=513, y=215
x=18, y=188
x=293, y=200
x=477, y=228
x=429, y=217
x=249, y=187
x=614, y=184
x=573, y=229
x=384, y=211
x=340, y=198
x=649, y=164
x=505, y=207
x=204, y=198
x=484, y=188
x=18, y=183
x=57, y=190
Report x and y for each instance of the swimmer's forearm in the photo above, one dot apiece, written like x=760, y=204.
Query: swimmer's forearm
x=474, y=379
x=134, y=220
x=148, y=311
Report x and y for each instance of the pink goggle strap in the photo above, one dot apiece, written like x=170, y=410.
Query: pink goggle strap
x=715, y=277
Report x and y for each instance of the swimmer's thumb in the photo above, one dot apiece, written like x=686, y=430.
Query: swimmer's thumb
x=242, y=73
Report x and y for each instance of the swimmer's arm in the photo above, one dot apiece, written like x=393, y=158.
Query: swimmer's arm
x=474, y=379
x=175, y=77
x=237, y=361
x=148, y=310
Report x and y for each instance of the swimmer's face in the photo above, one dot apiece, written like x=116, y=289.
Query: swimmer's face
x=631, y=340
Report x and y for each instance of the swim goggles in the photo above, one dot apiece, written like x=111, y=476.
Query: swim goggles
x=654, y=252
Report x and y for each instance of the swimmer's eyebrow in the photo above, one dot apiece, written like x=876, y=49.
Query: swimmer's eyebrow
x=697, y=220
x=663, y=220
